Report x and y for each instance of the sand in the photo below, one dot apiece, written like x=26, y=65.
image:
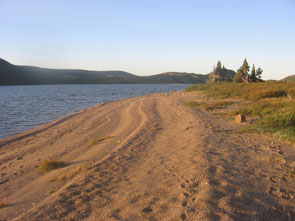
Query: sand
x=147, y=158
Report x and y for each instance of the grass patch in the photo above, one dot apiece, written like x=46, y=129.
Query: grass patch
x=93, y=142
x=69, y=175
x=271, y=103
x=254, y=91
x=290, y=172
x=193, y=104
x=49, y=192
x=222, y=104
x=216, y=105
x=275, y=116
x=48, y=165
x=209, y=106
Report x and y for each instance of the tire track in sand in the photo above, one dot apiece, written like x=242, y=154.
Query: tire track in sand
x=77, y=199
x=25, y=195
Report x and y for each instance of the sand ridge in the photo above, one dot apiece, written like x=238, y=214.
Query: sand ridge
x=162, y=161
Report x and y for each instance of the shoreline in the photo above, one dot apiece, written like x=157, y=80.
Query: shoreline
x=146, y=157
x=42, y=127
x=29, y=108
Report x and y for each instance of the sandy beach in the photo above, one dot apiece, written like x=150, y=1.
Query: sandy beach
x=147, y=158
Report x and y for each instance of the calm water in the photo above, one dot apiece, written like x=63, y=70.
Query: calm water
x=25, y=107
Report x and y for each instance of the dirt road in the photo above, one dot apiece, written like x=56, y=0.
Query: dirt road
x=154, y=159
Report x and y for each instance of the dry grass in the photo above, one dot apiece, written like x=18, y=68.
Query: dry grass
x=68, y=175
x=48, y=165
x=49, y=192
x=102, y=154
x=93, y=142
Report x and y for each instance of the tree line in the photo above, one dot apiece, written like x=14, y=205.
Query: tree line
x=243, y=74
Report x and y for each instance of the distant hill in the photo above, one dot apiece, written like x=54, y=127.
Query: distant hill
x=290, y=78
x=177, y=77
x=29, y=75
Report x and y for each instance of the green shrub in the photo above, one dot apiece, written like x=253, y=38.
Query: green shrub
x=48, y=165
x=192, y=104
x=279, y=120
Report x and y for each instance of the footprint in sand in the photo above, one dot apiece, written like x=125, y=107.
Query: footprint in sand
x=286, y=196
x=274, y=179
x=281, y=152
x=147, y=209
x=182, y=185
x=186, y=195
x=183, y=216
x=274, y=191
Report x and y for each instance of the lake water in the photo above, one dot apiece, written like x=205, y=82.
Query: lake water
x=25, y=107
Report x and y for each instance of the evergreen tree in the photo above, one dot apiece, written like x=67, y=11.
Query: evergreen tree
x=242, y=74
x=212, y=75
x=259, y=73
x=219, y=74
x=253, y=74
x=218, y=67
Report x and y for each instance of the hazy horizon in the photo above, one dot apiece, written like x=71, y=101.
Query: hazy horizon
x=150, y=37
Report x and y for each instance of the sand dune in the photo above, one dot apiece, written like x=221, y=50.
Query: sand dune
x=147, y=158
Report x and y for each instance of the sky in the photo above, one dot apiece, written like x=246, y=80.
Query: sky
x=147, y=37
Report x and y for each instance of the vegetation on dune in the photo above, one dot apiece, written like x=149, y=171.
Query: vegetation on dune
x=272, y=103
x=93, y=142
x=48, y=165
x=66, y=176
x=252, y=92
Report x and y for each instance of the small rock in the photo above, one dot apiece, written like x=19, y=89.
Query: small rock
x=19, y=158
x=240, y=118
